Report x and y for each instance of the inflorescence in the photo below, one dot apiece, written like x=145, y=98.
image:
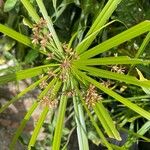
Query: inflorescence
x=92, y=96
x=41, y=37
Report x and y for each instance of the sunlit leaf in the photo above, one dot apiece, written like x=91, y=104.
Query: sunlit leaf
x=117, y=40
x=116, y=96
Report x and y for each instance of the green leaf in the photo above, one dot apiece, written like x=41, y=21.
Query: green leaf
x=111, y=61
x=31, y=10
x=60, y=120
x=31, y=56
x=27, y=23
x=24, y=74
x=29, y=113
x=134, y=136
x=104, y=15
x=99, y=22
x=80, y=121
x=22, y=125
x=9, y=5
x=106, y=121
x=38, y=127
x=117, y=40
x=143, y=45
x=16, y=35
x=141, y=49
x=115, y=76
x=81, y=128
x=138, y=134
x=45, y=111
x=54, y=4
x=146, y=90
x=116, y=96
x=80, y=46
x=145, y=128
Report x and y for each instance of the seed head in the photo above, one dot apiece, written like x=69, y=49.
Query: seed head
x=51, y=74
x=46, y=101
x=43, y=84
x=118, y=69
x=63, y=76
x=43, y=42
x=65, y=64
x=107, y=83
x=35, y=39
x=69, y=93
x=92, y=97
x=50, y=56
x=42, y=22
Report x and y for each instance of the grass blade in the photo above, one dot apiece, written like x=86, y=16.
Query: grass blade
x=24, y=74
x=16, y=35
x=117, y=40
x=60, y=120
x=116, y=96
x=115, y=76
x=106, y=121
x=31, y=10
x=111, y=61
x=99, y=23
x=38, y=127
x=22, y=125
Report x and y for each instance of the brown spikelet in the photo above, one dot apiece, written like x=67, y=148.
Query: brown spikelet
x=92, y=96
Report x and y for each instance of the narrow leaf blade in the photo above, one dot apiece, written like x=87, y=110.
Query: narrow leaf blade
x=116, y=96
x=117, y=40
x=115, y=76
x=16, y=35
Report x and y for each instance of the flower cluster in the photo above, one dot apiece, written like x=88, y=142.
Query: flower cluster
x=43, y=84
x=107, y=83
x=50, y=56
x=65, y=67
x=69, y=51
x=47, y=101
x=118, y=69
x=41, y=36
x=69, y=93
x=92, y=97
x=51, y=73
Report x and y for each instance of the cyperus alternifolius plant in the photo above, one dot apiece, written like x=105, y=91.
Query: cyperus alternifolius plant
x=75, y=73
